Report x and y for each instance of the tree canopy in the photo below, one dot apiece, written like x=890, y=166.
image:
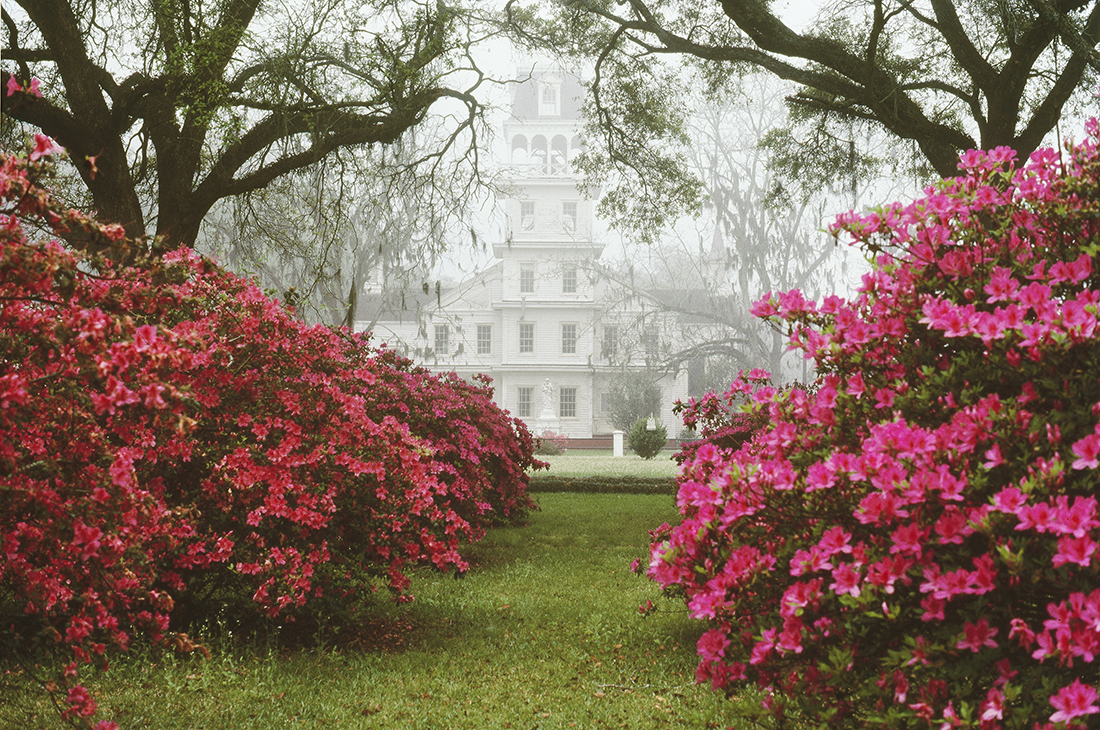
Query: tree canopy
x=168, y=106
x=948, y=76
x=758, y=232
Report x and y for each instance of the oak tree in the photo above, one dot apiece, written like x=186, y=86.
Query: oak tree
x=945, y=75
x=168, y=106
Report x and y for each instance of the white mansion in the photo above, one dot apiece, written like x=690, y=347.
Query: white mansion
x=538, y=321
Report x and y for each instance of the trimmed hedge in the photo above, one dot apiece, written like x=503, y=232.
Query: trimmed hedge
x=602, y=484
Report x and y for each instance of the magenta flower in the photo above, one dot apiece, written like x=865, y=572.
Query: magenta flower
x=1073, y=701
x=712, y=645
x=846, y=580
x=977, y=636
x=909, y=539
x=763, y=307
x=1001, y=285
x=1087, y=451
x=1077, y=550
x=835, y=540
x=993, y=707
x=993, y=457
x=44, y=147
x=1009, y=500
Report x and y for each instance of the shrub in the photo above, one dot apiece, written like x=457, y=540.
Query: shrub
x=719, y=421
x=687, y=433
x=542, y=483
x=551, y=444
x=168, y=433
x=646, y=443
x=915, y=543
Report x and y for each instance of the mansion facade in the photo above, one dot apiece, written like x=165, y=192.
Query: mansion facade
x=540, y=321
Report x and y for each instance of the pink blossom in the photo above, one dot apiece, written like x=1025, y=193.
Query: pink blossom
x=1023, y=632
x=1009, y=500
x=1077, y=550
x=809, y=561
x=846, y=580
x=993, y=457
x=950, y=718
x=799, y=595
x=909, y=539
x=878, y=508
x=920, y=653
x=705, y=603
x=763, y=307
x=855, y=385
x=14, y=87
x=44, y=147
x=977, y=636
x=1076, y=700
x=790, y=639
x=1006, y=672
x=712, y=645
x=993, y=706
x=1001, y=285
x=972, y=160
x=1073, y=272
x=1039, y=517
x=81, y=703
x=952, y=526
x=835, y=540
x=1078, y=319
x=1077, y=520
x=819, y=476
x=1087, y=451
x=762, y=648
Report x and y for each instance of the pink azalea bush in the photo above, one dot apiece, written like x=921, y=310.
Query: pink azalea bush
x=551, y=443
x=915, y=543
x=167, y=431
x=720, y=420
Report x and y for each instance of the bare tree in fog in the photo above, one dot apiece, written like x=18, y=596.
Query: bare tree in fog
x=760, y=231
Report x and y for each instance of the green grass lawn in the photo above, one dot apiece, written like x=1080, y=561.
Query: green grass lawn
x=542, y=633
x=588, y=463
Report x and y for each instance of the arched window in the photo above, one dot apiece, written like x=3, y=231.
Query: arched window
x=539, y=154
x=519, y=150
x=559, y=156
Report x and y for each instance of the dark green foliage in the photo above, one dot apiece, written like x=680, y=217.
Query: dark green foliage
x=646, y=443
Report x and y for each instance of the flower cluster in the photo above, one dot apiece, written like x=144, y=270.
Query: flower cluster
x=550, y=443
x=166, y=429
x=915, y=541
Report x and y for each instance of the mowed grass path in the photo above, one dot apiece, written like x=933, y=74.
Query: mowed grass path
x=543, y=632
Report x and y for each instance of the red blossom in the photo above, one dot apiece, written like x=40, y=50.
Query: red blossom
x=167, y=425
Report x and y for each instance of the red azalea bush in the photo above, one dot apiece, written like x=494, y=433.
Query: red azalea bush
x=915, y=543
x=166, y=430
x=480, y=453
